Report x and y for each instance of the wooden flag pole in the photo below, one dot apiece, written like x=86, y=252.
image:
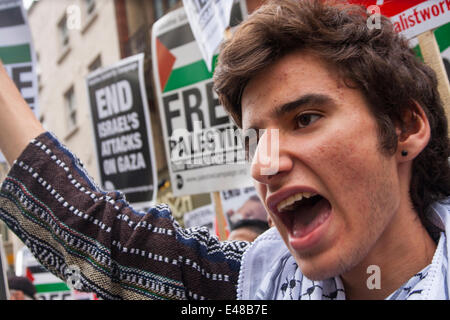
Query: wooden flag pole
x=432, y=57
x=4, y=168
x=220, y=217
x=4, y=291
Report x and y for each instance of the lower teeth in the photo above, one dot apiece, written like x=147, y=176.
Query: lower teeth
x=301, y=229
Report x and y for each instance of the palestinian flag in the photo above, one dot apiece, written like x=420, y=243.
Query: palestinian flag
x=44, y=281
x=15, y=35
x=178, y=57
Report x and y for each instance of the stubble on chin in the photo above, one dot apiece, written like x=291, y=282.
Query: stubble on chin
x=344, y=257
x=341, y=264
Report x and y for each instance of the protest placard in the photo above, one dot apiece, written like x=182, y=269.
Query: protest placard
x=201, y=217
x=417, y=18
x=208, y=21
x=122, y=130
x=203, y=147
x=412, y=17
x=242, y=204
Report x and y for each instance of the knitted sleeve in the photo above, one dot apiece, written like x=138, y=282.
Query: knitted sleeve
x=69, y=223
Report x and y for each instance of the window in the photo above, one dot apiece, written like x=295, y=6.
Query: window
x=71, y=109
x=172, y=3
x=90, y=6
x=96, y=64
x=63, y=32
x=89, y=14
x=39, y=71
x=159, y=8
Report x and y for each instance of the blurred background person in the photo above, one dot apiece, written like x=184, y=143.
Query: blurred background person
x=21, y=288
x=252, y=209
x=248, y=230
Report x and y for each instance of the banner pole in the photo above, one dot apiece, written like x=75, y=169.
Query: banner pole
x=432, y=57
x=4, y=290
x=4, y=168
x=220, y=217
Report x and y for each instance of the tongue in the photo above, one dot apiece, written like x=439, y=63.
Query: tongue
x=308, y=218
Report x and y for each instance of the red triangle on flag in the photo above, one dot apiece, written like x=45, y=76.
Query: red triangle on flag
x=166, y=60
x=29, y=275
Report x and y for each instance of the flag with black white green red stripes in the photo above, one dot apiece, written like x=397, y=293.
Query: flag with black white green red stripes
x=177, y=53
x=17, y=53
x=202, y=147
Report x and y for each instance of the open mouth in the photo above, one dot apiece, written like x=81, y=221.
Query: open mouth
x=303, y=212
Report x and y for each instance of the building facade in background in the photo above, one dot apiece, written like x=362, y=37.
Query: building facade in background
x=72, y=38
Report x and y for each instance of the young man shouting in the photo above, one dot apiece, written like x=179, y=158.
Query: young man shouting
x=361, y=179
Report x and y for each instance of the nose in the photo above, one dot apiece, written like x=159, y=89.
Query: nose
x=271, y=158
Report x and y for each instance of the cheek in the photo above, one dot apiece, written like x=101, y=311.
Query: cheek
x=343, y=161
x=260, y=189
x=361, y=182
x=348, y=151
x=350, y=165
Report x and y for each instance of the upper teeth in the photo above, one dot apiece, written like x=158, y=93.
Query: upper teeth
x=292, y=199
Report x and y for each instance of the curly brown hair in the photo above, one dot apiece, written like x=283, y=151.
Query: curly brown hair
x=376, y=61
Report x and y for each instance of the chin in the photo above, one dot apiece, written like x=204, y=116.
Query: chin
x=319, y=273
x=326, y=265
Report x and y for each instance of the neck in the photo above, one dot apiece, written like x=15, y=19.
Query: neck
x=403, y=250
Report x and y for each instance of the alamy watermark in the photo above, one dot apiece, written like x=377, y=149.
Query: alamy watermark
x=374, y=280
x=73, y=16
x=374, y=19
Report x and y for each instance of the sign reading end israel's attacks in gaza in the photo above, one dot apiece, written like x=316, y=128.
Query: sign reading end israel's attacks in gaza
x=203, y=147
x=121, y=125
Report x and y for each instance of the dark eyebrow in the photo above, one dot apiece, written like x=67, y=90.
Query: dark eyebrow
x=305, y=100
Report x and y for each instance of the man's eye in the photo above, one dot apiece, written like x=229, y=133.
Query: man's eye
x=306, y=119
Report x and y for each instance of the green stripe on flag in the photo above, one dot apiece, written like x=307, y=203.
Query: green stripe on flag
x=418, y=52
x=51, y=287
x=443, y=36
x=189, y=74
x=15, y=54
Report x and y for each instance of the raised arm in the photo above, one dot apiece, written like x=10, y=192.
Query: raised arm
x=70, y=224
x=18, y=125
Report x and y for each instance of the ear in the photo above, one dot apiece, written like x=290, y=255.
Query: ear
x=414, y=134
